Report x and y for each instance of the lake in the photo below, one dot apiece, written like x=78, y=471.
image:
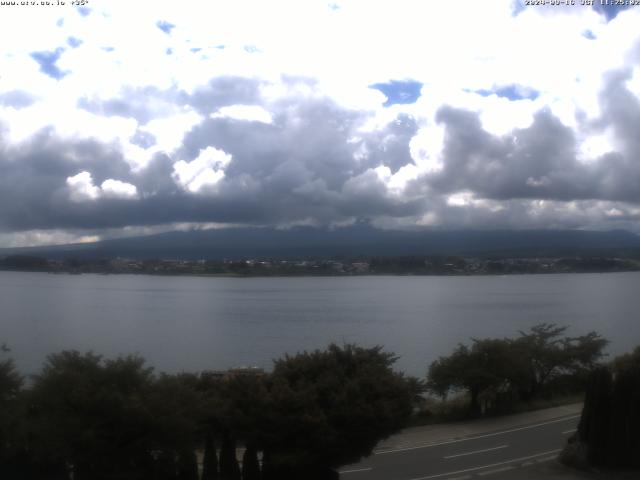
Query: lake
x=196, y=323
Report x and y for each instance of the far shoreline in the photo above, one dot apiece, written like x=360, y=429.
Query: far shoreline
x=322, y=275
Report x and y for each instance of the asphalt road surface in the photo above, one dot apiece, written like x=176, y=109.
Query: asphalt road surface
x=479, y=456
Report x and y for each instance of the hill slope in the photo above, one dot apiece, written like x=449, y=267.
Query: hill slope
x=353, y=241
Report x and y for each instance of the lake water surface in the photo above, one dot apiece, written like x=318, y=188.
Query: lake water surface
x=196, y=323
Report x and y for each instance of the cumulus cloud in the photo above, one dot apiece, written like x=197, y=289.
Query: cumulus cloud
x=249, y=113
x=111, y=188
x=98, y=133
x=81, y=187
x=203, y=172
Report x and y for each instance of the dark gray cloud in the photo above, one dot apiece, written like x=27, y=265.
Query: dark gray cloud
x=33, y=183
x=610, y=10
x=304, y=165
x=301, y=167
x=148, y=103
x=390, y=146
x=143, y=104
x=540, y=161
x=534, y=162
x=313, y=163
x=224, y=91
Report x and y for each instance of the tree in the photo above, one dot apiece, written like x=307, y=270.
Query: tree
x=329, y=408
x=487, y=365
x=549, y=355
x=494, y=370
x=210, y=459
x=11, y=419
x=187, y=465
x=229, y=468
x=627, y=362
x=250, y=465
x=241, y=404
x=91, y=414
x=593, y=428
x=175, y=406
x=608, y=429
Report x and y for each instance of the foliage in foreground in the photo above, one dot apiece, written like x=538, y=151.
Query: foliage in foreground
x=114, y=419
x=495, y=373
x=608, y=431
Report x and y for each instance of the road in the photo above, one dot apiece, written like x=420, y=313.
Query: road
x=477, y=456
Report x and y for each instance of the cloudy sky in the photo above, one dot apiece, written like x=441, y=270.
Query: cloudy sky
x=122, y=118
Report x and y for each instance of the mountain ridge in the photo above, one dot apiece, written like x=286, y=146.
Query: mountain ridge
x=354, y=241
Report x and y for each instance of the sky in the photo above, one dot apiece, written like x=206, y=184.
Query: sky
x=125, y=118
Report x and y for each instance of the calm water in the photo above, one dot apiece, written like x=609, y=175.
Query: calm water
x=190, y=323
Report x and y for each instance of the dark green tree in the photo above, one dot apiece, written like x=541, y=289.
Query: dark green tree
x=610, y=419
x=627, y=361
x=175, y=405
x=488, y=365
x=90, y=414
x=548, y=354
x=493, y=371
x=165, y=465
x=229, y=468
x=188, y=465
x=595, y=422
x=330, y=408
x=11, y=418
x=210, y=459
x=250, y=464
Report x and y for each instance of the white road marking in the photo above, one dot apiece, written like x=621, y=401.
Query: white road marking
x=496, y=470
x=355, y=470
x=449, y=442
x=477, y=451
x=546, y=459
x=569, y=431
x=486, y=466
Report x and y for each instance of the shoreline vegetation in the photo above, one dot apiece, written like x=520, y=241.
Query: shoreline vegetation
x=399, y=266
x=104, y=419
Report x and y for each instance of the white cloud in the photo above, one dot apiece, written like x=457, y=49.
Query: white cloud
x=426, y=148
x=81, y=187
x=592, y=146
x=460, y=199
x=249, y=113
x=169, y=131
x=202, y=173
x=117, y=189
x=32, y=238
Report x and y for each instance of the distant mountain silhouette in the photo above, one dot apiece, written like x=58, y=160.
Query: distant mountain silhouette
x=359, y=240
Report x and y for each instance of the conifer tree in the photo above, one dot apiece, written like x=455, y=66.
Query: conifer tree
x=229, y=468
x=210, y=460
x=250, y=465
x=594, y=424
x=187, y=465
